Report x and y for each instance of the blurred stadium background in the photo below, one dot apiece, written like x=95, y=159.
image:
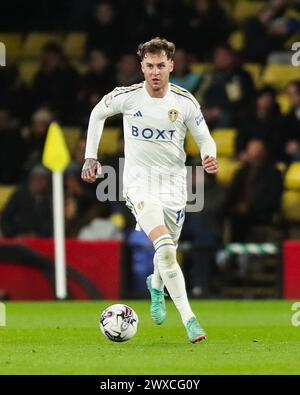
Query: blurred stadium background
x=235, y=56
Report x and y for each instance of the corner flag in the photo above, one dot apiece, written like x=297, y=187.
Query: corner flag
x=56, y=155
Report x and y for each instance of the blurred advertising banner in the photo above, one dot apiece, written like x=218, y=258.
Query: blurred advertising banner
x=27, y=269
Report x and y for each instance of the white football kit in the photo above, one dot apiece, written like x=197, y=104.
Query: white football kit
x=154, y=134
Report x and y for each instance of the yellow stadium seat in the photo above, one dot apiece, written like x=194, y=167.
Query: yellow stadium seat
x=291, y=206
x=284, y=103
x=200, y=68
x=227, y=170
x=225, y=140
x=292, y=13
x=28, y=69
x=109, y=141
x=72, y=135
x=13, y=43
x=34, y=43
x=5, y=193
x=255, y=70
x=279, y=75
x=228, y=5
x=237, y=40
x=74, y=45
x=244, y=9
x=292, y=177
x=191, y=148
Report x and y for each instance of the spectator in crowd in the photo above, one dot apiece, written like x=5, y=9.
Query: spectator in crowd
x=182, y=75
x=79, y=15
x=13, y=92
x=36, y=137
x=225, y=90
x=263, y=122
x=292, y=122
x=78, y=153
x=153, y=18
x=100, y=229
x=128, y=70
x=56, y=84
x=269, y=29
x=29, y=210
x=43, y=15
x=105, y=28
x=118, y=207
x=79, y=201
x=78, y=160
x=12, y=149
x=255, y=194
x=97, y=81
x=204, y=229
x=207, y=27
x=142, y=253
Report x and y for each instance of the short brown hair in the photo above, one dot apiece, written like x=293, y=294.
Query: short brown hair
x=157, y=45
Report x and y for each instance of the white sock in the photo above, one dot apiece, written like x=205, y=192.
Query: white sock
x=172, y=275
x=157, y=282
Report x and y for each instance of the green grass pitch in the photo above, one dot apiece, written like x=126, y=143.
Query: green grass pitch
x=244, y=337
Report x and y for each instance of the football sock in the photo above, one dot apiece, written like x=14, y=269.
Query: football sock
x=157, y=282
x=172, y=276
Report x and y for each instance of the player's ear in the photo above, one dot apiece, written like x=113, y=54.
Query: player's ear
x=142, y=66
x=171, y=66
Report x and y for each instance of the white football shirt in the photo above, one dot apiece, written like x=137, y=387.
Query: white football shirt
x=154, y=133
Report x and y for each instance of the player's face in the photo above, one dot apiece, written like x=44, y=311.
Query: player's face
x=157, y=68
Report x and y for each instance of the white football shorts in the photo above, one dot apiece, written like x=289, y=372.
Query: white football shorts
x=150, y=213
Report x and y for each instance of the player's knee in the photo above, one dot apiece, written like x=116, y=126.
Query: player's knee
x=166, y=256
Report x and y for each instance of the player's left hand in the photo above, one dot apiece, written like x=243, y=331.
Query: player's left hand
x=210, y=164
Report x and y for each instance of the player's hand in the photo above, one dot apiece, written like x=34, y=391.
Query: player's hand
x=210, y=164
x=90, y=170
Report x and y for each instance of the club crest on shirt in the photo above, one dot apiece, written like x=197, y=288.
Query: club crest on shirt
x=140, y=205
x=173, y=115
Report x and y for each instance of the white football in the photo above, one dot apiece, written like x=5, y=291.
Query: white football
x=119, y=322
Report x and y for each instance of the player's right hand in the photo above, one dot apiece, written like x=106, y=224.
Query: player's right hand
x=90, y=170
x=210, y=164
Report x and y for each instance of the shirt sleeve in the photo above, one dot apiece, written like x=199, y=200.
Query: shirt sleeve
x=196, y=124
x=111, y=104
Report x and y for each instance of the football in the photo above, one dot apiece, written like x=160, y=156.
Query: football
x=119, y=323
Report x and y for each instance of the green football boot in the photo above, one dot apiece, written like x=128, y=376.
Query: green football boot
x=194, y=331
x=158, y=306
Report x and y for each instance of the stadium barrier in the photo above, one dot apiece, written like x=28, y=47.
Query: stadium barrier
x=291, y=272
x=27, y=269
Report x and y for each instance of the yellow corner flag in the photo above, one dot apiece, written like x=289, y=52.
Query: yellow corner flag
x=56, y=155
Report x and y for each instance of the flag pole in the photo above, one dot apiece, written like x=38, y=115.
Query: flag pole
x=56, y=157
x=59, y=235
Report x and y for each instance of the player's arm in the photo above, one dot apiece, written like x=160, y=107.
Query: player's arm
x=108, y=106
x=196, y=124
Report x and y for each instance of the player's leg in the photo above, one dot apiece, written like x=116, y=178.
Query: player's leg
x=149, y=215
x=156, y=280
x=170, y=271
x=165, y=239
x=137, y=208
x=151, y=219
